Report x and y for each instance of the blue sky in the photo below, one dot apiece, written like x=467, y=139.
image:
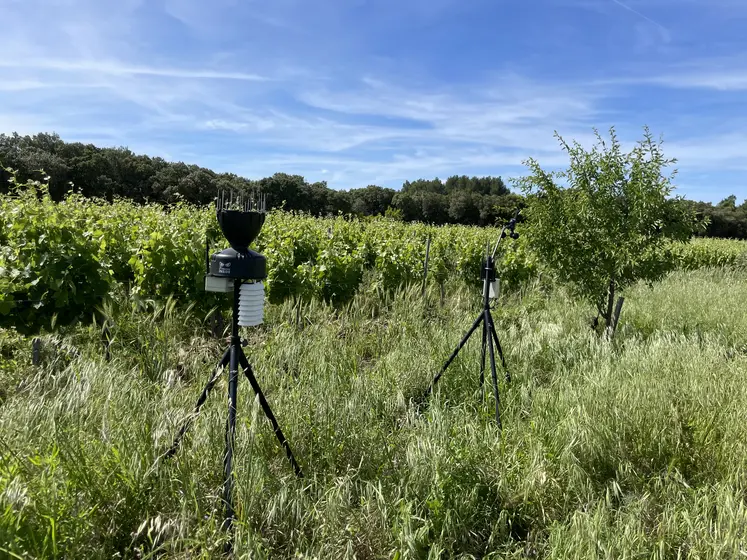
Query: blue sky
x=376, y=92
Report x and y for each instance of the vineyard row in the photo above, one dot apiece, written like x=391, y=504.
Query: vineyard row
x=59, y=259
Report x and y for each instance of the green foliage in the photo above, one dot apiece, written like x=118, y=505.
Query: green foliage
x=702, y=253
x=13, y=353
x=92, y=246
x=60, y=260
x=53, y=262
x=612, y=224
x=726, y=219
x=168, y=257
x=393, y=214
x=159, y=252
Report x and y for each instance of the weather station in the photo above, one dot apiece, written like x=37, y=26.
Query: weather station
x=490, y=341
x=241, y=271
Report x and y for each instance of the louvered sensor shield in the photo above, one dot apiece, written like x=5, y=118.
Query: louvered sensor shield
x=251, y=304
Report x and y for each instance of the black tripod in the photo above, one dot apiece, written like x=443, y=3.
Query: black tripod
x=233, y=357
x=489, y=335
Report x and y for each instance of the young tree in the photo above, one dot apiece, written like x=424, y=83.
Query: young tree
x=613, y=221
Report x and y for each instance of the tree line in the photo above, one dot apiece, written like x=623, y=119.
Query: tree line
x=118, y=172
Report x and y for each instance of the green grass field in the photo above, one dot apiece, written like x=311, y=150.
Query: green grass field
x=634, y=449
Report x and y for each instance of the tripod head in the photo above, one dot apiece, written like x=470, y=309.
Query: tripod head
x=487, y=274
x=512, y=225
x=508, y=230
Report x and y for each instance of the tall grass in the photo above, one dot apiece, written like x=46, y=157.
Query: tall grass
x=625, y=450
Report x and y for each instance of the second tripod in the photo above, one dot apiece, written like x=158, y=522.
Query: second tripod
x=489, y=339
x=489, y=336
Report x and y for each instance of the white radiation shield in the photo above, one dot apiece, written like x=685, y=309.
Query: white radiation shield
x=251, y=304
x=494, y=288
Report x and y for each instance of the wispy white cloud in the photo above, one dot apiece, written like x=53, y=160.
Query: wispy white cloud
x=304, y=87
x=357, y=172
x=515, y=113
x=380, y=131
x=38, y=84
x=209, y=18
x=116, y=68
x=721, y=73
x=720, y=80
x=627, y=7
x=723, y=151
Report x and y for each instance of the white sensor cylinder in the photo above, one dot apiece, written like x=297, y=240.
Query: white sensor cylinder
x=251, y=304
x=494, y=289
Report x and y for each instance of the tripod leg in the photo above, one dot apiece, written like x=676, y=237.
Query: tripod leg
x=203, y=397
x=233, y=382
x=268, y=412
x=498, y=345
x=484, y=350
x=495, y=380
x=454, y=354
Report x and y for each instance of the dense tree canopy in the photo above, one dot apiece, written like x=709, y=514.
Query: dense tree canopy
x=118, y=172
x=725, y=219
x=612, y=225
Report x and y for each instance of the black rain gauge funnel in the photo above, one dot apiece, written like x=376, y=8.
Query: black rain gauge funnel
x=490, y=290
x=241, y=271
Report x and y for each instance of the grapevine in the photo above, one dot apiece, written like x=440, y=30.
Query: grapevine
x=59, y=260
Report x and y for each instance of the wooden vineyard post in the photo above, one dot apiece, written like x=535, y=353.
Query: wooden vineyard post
x=425, y=265
x=615, y=318
x=106, y=341
x=36, y=351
